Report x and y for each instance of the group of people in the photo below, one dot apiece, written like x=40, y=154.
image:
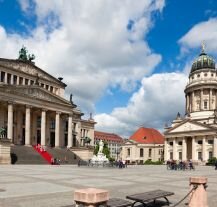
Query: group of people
x=55, y=161
x=121, y=164
x=41, y=148
x=180, y=165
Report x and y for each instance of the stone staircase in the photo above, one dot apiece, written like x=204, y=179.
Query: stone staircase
x=25, y=155
x=65, y=155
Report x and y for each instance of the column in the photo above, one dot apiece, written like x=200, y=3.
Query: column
x=215, y=99
x=201, y=99
x=10, y=121
x=43, y=128
x=204, y=153
x=27, y=127
x=184, y=149
x=69, y=131
x=210, y=99
x=193, y=149
x=187, y=104
x=215, y=147
x=18, y=80
x=12, y=79
x=6, y=78
x=175, y=157
x=57, y=130
x=166, y=150
x=78, y=133
x=192, y=102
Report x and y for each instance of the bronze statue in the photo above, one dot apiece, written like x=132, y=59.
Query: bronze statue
x=23, y=55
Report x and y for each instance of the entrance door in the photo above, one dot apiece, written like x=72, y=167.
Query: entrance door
x=189, y=148
x=38, y=136
x=52, y=139
x=66, y=140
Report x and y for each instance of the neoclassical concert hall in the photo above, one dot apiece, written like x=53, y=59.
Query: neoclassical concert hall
x=194, y=137
x=33, y=109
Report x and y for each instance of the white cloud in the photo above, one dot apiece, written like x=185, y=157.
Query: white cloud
x=159, y=98
x=88, y=44
x=203, y=31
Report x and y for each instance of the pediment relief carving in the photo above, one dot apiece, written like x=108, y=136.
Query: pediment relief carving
x=27, y=68
x=189, y=126
x=34, y=92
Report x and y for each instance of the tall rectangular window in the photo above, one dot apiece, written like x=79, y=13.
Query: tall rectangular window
x=26, y=81
x=15, y=80
x=205, y=105
x=199, y=155
x=180, y=155
x=21, y=81
x=38, y=122
x=128, y=152
x=2, y=76
x=149, y=152
x=141, y=152
x=210, y=154
x=9, y=78
x=52, y=124
x=171, y=156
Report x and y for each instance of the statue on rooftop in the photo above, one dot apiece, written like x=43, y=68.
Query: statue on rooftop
x=24, y=56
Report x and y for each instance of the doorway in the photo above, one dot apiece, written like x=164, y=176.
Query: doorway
x=189, y=147
x=38, y=136
x=52, y=139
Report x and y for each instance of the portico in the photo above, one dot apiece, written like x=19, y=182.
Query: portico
x=33, y=109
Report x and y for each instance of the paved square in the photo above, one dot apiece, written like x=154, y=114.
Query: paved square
x=53, y=186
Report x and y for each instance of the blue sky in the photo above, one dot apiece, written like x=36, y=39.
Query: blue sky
x=126, y=62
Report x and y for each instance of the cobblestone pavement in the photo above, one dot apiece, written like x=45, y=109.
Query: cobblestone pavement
x=49, y=186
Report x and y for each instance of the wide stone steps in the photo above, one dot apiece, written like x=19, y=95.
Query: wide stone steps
x=64, y=155
x=25, y=155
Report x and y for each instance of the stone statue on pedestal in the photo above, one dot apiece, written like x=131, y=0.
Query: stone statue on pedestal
x=101, y=144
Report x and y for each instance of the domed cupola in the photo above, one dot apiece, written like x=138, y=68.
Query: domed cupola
x=203, y=61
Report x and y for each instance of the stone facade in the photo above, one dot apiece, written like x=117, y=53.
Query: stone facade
x=33, y=109
x=138, y=153
x=194, y=136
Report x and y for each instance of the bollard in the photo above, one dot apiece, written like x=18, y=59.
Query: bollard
x=91, y=197
x=198, y=197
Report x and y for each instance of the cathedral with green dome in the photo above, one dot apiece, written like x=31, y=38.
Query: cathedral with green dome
x=193, y=137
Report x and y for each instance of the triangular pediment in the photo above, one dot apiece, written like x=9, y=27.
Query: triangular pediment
x=28, y=68
x=188, y=126
x=34, y=92
x=129, y=142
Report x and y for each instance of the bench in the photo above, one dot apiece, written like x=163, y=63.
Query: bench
x=143, y=198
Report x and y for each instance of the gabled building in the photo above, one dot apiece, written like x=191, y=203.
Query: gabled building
x=194, y=137
x=114, y=142
x=33, y=109
x=144, y=144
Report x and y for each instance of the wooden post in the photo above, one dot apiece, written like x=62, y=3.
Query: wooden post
x=198, y=197
x=91, y=197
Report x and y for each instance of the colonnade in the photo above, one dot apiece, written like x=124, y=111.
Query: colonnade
x=28, y=126
x=191, y=101
x=194, y=156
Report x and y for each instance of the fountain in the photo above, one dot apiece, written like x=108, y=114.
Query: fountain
x=100, y=159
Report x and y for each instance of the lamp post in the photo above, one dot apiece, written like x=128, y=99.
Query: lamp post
x=117, y=152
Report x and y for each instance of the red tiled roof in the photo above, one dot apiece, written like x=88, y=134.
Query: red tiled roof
x=107, y=136
x=147, y=136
